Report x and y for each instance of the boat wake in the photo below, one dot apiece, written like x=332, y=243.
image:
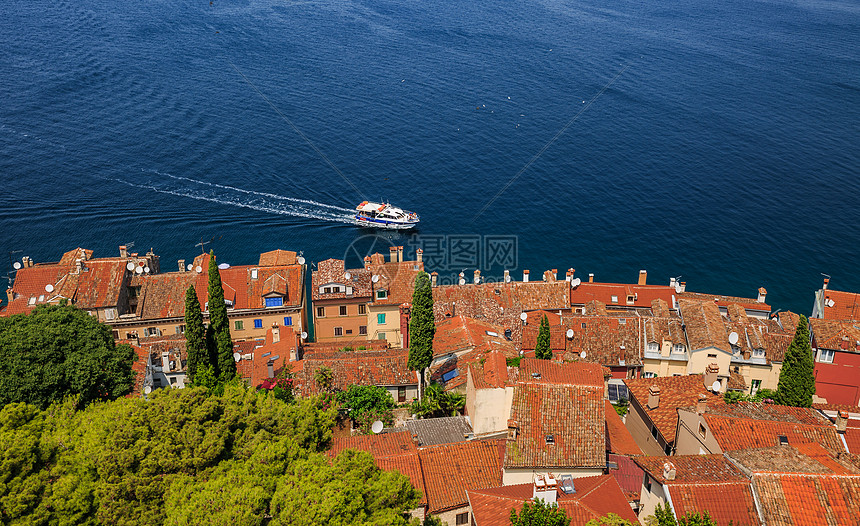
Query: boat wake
x=165, y=183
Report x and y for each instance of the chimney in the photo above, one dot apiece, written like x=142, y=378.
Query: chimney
x=683, y=286
x=405, y=312
x=276, y=334
x=270, y=368
x=762, y=294
x=419, y=255
x=367, y=261
x=643, y=277
x=392, y=254
x=477, y=276
x=668, y=471
x=513, y=428
x=507, y=276
x=525, y=276
x=672, y=282
x=123, y=251
x=165, y=362
x=551, y=491
x=181, y=263
x=400, y=254
x=591, y=277
x=79, y=266
x=9, y=295
x=434, y=278
x=568, y=276
x=702, y=404
x=826, y=281
x=539, y=487
x=710, y=376
x=841, y=421
x=555, y=274
x=653, y=397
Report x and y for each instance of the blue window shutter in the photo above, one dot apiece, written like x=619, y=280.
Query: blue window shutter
x=288, y=321
x=258, y=323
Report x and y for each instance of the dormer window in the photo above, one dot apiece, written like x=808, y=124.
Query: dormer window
x=758, y=353
x=736, y=349
x=275, y=302
x=631, y=299
x=381, y=294
x=679, y=348
x=614, y=299
x=653, y=347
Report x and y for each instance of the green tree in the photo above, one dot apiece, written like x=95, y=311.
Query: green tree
x=438, y=402
x=220, y=324
x=284, y=383
x=663, y=516
x=422, y=327
x=542, y=347
x=539, y=513
x=195, y=335
x=433, y=520
x=367, y=403
x=324, y=378
x=797, y=379
x=609, y=520
x=60, y=350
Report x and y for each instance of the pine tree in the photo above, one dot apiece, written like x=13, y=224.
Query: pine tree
x=797, y=377
x=421, y=325
x=225, y=365
x=542, y=348
x=195, y=334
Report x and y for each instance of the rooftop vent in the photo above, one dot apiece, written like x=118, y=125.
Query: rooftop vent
x=550, y=439
x=783, y=440
x=535, y=375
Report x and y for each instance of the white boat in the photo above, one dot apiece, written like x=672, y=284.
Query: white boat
x=383, y=215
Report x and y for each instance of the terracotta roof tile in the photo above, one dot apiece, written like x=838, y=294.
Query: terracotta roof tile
x=618, y=437
x=807, y=499
x=846, y=305
x=396, y=278
x=607, y=340
x=595, y=497
x=333, y=271
x=725, y=301
x=572, y=415
x=385, y=368
x=692, y=469
x=628, y=474
x=461, y=333
x=642, y=295
x=837, y=335
x=675, y=392
x=799, y=458
x=494, y=372
x=741, y=433
x=536, y=371
x=450, y=470
x=277, y=258
x=725, y=502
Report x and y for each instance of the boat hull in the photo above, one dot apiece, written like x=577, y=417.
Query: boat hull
x=383, y=223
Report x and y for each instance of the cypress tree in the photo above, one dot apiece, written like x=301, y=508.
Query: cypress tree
x=542, y=347
x=195, y=334
x=797, y=377
x=225, y=365
x=421, y=325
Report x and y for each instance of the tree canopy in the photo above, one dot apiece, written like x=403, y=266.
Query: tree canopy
x=422, y=327
x=611, y=519
x=438, y=402
x=60, y=350
x=542, y=347
x=797, y=376
x=366, y=404
x=186, y=456
x=539, y=513
x=663, y=516
x=225, y=365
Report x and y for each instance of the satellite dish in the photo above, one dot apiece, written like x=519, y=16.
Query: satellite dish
x=16, y=265
x=508, y=278
x=575, y=282
x=49, y=288
x=304, y=335
x=198, y=269
x=733, y=338
x=524, y=316
x=146, y=269
x=716, y=387
x=462, y=281
x=130, y=266
x=237, y=356
x=376, y=427
x=147, y=390
x=300, y=260
x=190, y=266
x=374, y=278
x=139, y=270
x=347, y=275
x=570, y=333
x=582, y=355
x=224, y=266
x=677, y=289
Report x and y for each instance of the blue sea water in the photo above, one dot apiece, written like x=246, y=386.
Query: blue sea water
x=713, y=140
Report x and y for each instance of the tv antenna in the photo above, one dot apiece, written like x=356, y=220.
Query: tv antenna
x=203, y=244
x=11, y=259
x=129, y=245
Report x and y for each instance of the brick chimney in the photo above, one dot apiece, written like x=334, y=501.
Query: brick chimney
x=367, y=261
x=9, y=295
x=710, y=376
x=826, y=281
x=419, y=255
x=526, y=276
x=123, y=251
x=762, y=294
x=434, y=278
x=405, y=315
x=591, y=277
x=477, y=278
x=643, y=277
x=568, y=276
x=669, y=471
x=702, y=404
x=276, y=334
x=181, y=263
x=653, y=397
x=392, y=254
x=400, y=254
x=841, y=421
x=683, y=286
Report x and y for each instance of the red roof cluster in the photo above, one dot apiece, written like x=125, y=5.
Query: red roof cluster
x=675, y=392
x=450, y=470
x=846, y=305
x=382, y=368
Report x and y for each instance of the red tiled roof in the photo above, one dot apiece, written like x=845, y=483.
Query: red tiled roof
x=461, y=333
x=725, y=301
x=692, y=469
x=675, y=392
x=608, y=340
x=392, y=451
x=798, y=458
x=808, y=499
x=396, y=278
x=846, y=305
x=138, y=367
x=560, y=373
x=333, y=271
x=595, y=497
x=385, y=368
x=573, y=415
x=618, y=437
x=774, y=412
x=493, y=373
x=741, y=433
x=450, y=470
x=838, y=335
x=628, y=475
x=643, y=295
x=277, y=258
x=705, y=325
x=725, y=502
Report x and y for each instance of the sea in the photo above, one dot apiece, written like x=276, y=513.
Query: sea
x=716, y=141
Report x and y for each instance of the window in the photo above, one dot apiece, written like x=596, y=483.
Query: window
x=758, y=353
x=115, y=335
x=172, y=380
x=338, y=331
x=668, y=449
x=654, y=432
x=288, y=321
x=679, y=348
x=622, y=321
x=649, y=375
x=583, y=325
x=462, y=518
x=238, y=325
x=614, y=299
x=110, y=314
x=275, y=302
x=653, y=347
x=258, y=323
x=702, y=430
x=401, y=394
x=380, y=318
x=755, y=385
x=320, y=312
x=783, y=440
x=362, y=329
x=826, y=355
x=713, y=356
x=343, y=310
x=647, y=483
x=381, y=294
x=349, y=331
x=362, y=309
x=180, y=329
x=150, y=331
x=382, y=336
x=630, y=299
